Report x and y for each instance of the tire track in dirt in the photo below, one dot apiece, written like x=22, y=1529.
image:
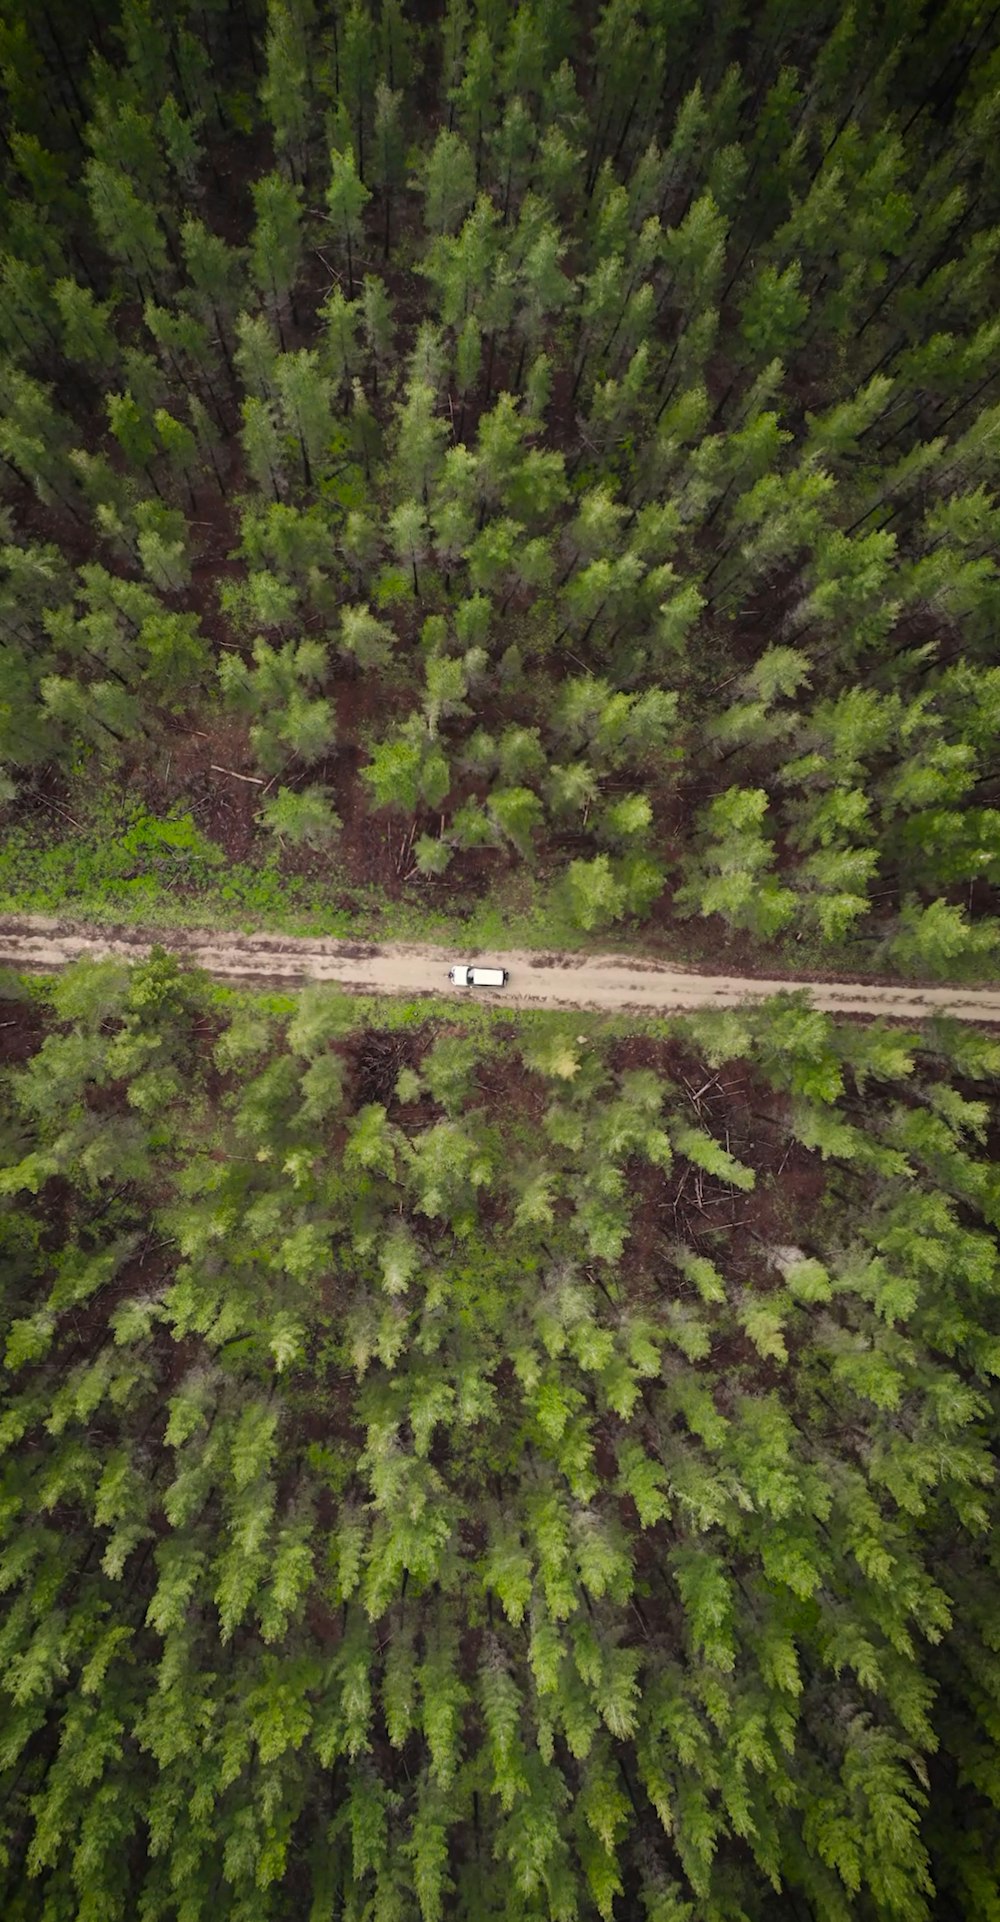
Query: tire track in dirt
x=612, y=983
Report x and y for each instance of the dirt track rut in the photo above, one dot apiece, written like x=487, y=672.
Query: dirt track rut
x=609, y=982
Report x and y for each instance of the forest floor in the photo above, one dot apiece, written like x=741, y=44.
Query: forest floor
x=606, y=983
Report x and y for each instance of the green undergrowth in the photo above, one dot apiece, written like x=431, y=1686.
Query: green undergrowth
x=159, y=872
x=476, y=1019
x=125, y=865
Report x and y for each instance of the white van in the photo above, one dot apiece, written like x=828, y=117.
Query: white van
x=470, y=977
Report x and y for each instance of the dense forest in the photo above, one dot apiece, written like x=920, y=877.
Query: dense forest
x=460, y=1464
x=516, y=1467
x=538, y=453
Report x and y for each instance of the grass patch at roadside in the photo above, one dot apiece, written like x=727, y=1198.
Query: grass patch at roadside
x=126, y=866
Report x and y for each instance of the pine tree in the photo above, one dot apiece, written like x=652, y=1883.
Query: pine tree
x=388, y=154
x=127, y=225
x=182, y=147
x=303, y=398
x=26, y=312
x=346, y=199
x=180, y=448
x=358, y=63
x=86, y=323
x=277, y=246
x=33, y=438
x=285, y=89
x=419, y=444
x=448, y=182
x=162, y=546
x=474, y=96
x=262, y=445
x=376, y=316
x=292, y=721
x=214, y=271
x=734, y=877
x=305, y=817
x=409, y=535
x=365, y=638
x=407, y=769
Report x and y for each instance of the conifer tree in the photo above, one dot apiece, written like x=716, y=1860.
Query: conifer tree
x=277, y=246
x=346, y=199
x=286, y=85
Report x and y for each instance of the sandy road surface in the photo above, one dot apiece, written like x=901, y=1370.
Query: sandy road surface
x=609, y=982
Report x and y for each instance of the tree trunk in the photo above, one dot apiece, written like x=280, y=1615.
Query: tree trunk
x=623, y=136
x=178, y=76
x=578, y=376
x=210, y=451
x=251, y=38
x=720, y=502
x=15, y=470
x=65, y=64
x=489, y=368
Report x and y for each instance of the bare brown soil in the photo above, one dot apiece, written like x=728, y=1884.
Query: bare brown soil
x=605, y=983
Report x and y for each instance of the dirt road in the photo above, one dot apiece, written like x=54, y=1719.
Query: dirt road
x=35, y=943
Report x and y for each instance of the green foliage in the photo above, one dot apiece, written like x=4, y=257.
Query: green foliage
x=346, y=196
x=733, y=876
x=305, y=817
x=939, y=940
x=291, y=720
x=456, y=1463
x=595, y=897
x=427, y=1335
x=277, y=242
x=405, y=771
x=365, y=638
x=532, y=432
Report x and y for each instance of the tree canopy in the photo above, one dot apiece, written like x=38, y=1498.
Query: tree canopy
x=577, y=1504
x=645, y=363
